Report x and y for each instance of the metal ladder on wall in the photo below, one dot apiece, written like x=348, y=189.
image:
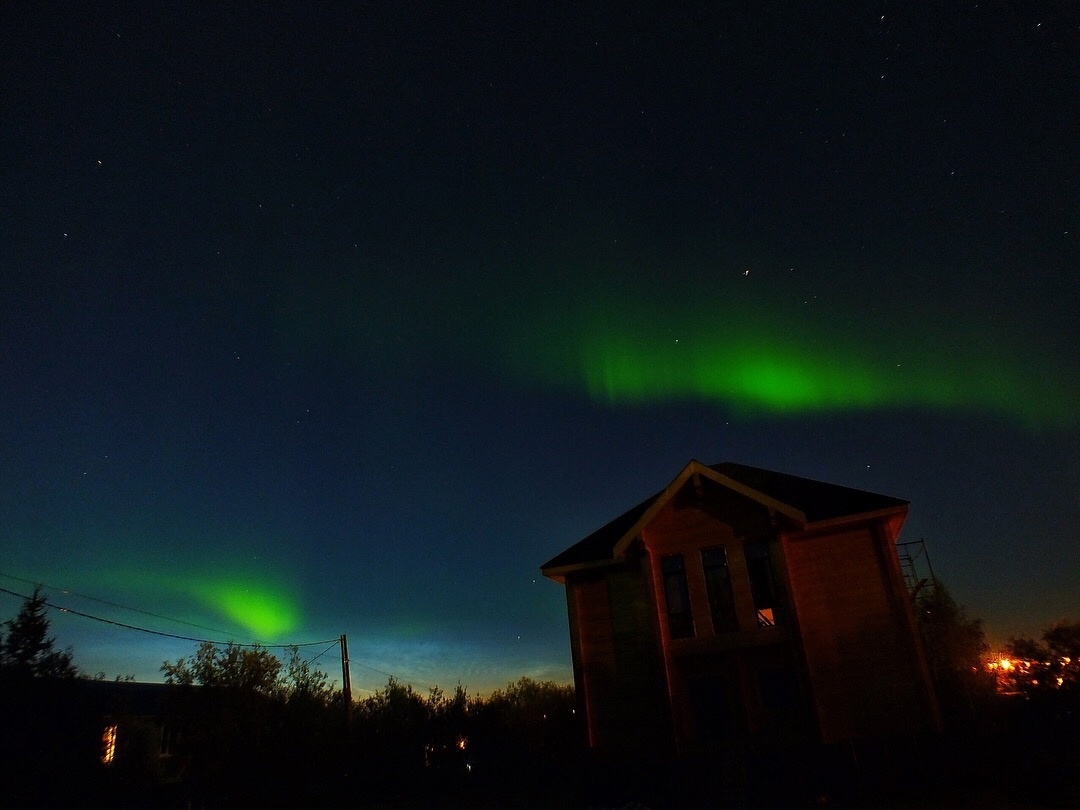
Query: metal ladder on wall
x=915, y=566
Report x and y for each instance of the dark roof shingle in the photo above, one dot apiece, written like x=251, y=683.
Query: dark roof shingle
x=817, y=500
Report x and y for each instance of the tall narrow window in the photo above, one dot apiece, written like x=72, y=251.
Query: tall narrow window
x=762, y=585
x=108, y=745
x=718, y=584
x=677, y=596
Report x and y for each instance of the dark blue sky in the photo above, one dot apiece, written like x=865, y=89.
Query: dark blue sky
x=344, y=321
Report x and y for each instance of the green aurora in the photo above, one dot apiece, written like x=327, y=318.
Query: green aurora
x=266, y=609
x=260, y=604
x=757, y=353
x=760, y=360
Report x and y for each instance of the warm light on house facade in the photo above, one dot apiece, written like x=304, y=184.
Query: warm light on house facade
x=108, y=745
x=740, y=601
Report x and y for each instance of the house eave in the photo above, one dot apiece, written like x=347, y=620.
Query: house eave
x=559, y=573
x=797, y=521
x=862, y=517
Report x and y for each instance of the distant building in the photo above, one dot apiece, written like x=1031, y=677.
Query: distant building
x=139, y=729
x=740, y=603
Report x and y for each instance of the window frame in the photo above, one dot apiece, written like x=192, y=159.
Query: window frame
x=763, y=586
x=680, y=613
x=720, y=590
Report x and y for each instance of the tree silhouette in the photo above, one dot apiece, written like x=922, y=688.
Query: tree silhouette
x=28, y=650
x=955, y=645
x=253, y=725
x=42, y=717
x=1054, y=664
x=254, y=670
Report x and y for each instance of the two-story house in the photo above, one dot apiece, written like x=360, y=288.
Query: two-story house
x=744, y=603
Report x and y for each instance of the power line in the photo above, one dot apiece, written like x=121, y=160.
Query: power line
x=428, y=684
x=69, y=592
x=332, y=643
x=74, y=612
x=324, y=652
x=387, y=674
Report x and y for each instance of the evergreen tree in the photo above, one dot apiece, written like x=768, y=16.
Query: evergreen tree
x=28, y=649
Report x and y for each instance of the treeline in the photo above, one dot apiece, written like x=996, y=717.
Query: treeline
x=239, y=726
x=251, y=716
x=524, y=735
x=236, y=725
x=1021, y=741
x=965, y=679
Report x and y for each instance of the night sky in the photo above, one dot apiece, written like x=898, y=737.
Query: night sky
x=324, y=321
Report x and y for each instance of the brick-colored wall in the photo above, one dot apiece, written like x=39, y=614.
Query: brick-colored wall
x=618, y=663
x=593, y=647
x=690, y=529
x=843, y=642
x=858, y=651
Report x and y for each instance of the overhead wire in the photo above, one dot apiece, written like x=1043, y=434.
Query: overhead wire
x=126, y=626
x=324, y=652
x=330, y=642
x=69, y=592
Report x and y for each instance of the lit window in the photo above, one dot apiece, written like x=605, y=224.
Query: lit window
x=108, y=745
x=677, y=596
x=714, y=563
x=762, y=584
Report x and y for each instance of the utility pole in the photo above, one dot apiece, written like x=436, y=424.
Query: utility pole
x=346, y=681
x=346, y=700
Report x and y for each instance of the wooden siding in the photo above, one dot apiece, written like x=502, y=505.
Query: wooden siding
x=618, y=664
x=857, y=652
x=643, y=713
x=842, y=662
x=687, y=527
x=594, y=648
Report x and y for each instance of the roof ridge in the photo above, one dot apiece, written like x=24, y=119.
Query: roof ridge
x=804, y=500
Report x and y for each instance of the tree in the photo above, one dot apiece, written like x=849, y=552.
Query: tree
x=43, y=716
x=28, y=650
x=233, y=666
x=305, y=683
x=253, y=725
x=528, y=729
x=391, y=728
x=955, y=646
x=1053, y=665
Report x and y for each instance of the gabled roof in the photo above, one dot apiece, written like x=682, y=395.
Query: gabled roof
x=802, y=500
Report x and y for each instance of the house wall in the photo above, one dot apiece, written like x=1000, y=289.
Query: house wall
x=842, y=661
x=687, y=528
x=860, y=652
x=726, y=682
x=618, y=667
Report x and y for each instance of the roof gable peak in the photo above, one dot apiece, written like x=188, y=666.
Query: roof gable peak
x=695, y=471
x=804, y=501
